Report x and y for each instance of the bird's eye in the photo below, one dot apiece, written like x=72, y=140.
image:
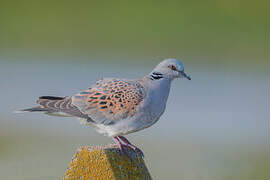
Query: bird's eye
x=172, y=67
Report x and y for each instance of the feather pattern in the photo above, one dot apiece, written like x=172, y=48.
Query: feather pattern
x=52, y=104
x=110, y=100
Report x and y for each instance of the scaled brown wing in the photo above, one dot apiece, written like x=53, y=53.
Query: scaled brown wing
x=110, y=100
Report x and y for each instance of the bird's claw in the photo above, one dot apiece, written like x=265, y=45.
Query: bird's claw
x=124, y=147
x=135, y=149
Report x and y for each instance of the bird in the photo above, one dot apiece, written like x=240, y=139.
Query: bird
x=116, y=107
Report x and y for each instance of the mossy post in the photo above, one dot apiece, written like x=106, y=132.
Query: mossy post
x=107, y=163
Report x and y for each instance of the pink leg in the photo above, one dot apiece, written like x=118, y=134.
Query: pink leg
x=130, y=145
x=121, y=146
x=118, y=142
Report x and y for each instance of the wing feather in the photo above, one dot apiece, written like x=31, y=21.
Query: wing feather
x=110, y=100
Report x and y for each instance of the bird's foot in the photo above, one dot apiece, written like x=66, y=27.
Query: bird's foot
x=127, y=143
x=122, y=147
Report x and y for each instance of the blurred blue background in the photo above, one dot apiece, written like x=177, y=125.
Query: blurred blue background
x=215, y=127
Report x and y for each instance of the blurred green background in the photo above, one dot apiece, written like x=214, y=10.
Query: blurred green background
x=215, y=126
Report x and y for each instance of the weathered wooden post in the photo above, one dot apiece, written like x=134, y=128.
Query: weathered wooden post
x=106, y=162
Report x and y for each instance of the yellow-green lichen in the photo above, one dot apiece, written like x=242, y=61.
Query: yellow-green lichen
x=108, y=163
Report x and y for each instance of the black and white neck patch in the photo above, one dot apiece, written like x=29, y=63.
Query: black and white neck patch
x=156, y=75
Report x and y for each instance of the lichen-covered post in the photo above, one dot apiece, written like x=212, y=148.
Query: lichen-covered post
x=106, y=163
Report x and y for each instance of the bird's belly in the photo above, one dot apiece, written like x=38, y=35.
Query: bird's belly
x=129, y=125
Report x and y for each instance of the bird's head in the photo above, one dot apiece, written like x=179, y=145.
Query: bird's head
x=170, y=68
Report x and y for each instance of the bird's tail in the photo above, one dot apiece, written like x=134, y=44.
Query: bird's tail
x=44, y=105
x=56, y=106
x=34, y=109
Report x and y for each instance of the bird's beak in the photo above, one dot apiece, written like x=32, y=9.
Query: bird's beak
x=185, y=75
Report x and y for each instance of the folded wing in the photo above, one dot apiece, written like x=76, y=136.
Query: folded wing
x=110, y=100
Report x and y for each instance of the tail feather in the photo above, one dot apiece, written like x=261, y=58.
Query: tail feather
x=51, y=97
x=56, y=105
x=43, y=100
x=34, y=109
